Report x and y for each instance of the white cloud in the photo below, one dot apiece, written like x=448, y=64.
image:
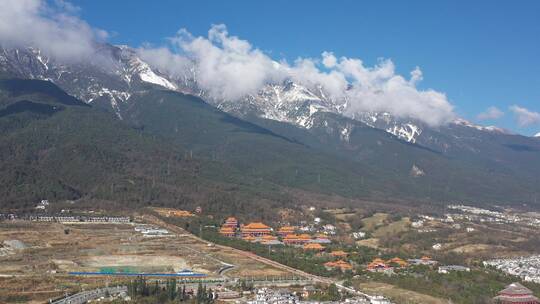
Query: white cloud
x=227, y=67
x=490, y=114
x=525, y=117
x=166, y=61
x=230, y=68
x=55, y=29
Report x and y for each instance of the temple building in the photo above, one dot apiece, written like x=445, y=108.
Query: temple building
x=313, y=247
x=397, y=261
x=377, y=265
x=227, y=231
x=516, y=293
x=297, y=239
x=255, y=230
x=286, y=230
x=341, y=265
x=231, y=222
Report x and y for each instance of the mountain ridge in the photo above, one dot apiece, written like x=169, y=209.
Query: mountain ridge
x=418, y=161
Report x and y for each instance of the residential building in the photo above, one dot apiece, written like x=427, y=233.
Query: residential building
x=447, y=269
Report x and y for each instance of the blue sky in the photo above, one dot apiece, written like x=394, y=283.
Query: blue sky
x=480, y=53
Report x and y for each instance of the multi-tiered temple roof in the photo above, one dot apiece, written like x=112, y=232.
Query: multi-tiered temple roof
x=516, y=293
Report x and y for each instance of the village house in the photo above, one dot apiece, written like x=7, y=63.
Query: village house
x=448, y=269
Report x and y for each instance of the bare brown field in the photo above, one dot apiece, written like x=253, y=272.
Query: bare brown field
x=37, y=269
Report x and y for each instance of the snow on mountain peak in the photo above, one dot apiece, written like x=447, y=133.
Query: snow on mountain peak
x=537, y=135
x=466, y=123
x=147, y=75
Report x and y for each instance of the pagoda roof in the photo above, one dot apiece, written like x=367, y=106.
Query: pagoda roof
x=515, y=289
x=316, y=246
x=256, y=225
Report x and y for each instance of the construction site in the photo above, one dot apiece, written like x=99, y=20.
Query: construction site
x=40, y=261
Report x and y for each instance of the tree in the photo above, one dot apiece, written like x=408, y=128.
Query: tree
x=333, y=293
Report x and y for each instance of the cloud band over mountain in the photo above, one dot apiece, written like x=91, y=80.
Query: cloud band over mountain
x=230, y=68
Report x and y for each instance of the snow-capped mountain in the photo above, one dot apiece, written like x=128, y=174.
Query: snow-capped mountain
x=537, y=135
x=109, y=78
x=117, y=72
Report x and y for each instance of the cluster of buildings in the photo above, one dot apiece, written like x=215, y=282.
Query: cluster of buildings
x=475, y=214
x=274, y=296
x=264, y=234
x=527, y=268
x=285, y=296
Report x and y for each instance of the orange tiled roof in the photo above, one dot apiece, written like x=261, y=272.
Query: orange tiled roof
x=249, y=238
x=291, y=236
x=231, y=219
x=304, y=236
x=315, y=246
x=338, y=253
x=286, y=229
x=426, y=258
x=397, y=260
x=226, y=229
x=269, y=237
x=256, y=225
x=339, y=264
